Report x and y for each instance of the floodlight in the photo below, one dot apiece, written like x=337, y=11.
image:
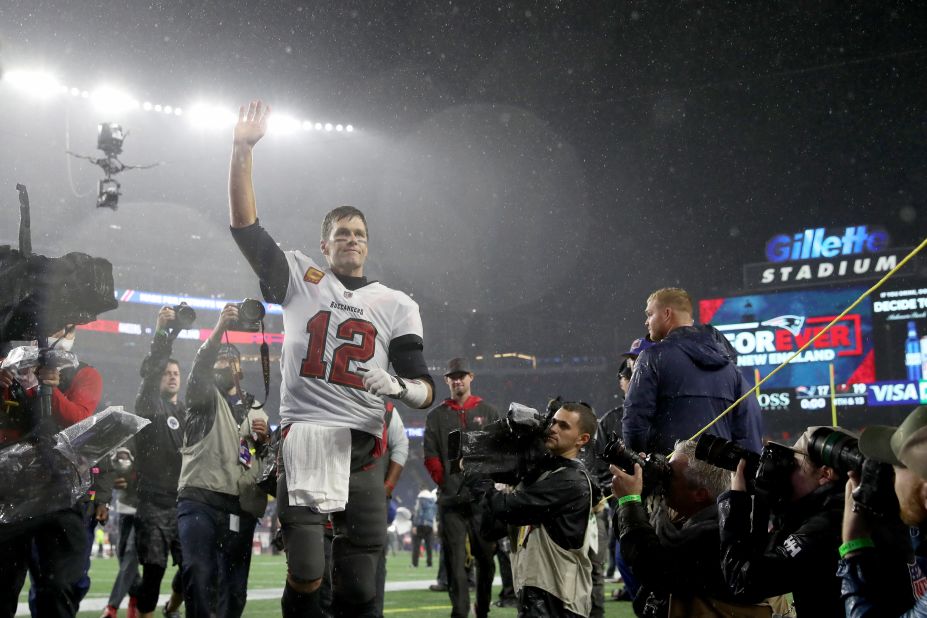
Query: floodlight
x=38, y=84
x=281, y=124
x=111, y=100
x=206, y=116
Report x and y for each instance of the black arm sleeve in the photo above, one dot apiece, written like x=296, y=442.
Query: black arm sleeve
x=407, y=357
x=266, y=259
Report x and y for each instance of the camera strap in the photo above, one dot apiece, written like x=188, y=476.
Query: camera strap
x=265, y=362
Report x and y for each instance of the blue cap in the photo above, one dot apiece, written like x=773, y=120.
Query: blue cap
x=638, y=346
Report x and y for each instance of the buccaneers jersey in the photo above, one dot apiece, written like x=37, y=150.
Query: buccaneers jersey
x=331, y=335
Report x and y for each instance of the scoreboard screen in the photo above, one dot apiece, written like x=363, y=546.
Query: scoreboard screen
x=878, y=351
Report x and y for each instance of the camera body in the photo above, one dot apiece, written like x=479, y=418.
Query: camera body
x=768, y=472
x=184, y=316
x=506, y=450
x=250, y=314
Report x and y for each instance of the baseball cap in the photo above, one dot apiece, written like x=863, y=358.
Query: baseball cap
x=457, y=365
x=638, y=346
x=905, y=445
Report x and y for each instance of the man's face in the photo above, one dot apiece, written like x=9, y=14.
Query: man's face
x=912, y=496
x=657, y=322
x=170, y=380
x=564, y=434
x=346, y=246
x=459, y=383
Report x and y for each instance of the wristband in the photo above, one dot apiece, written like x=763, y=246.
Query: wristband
x=390, y=485
x=630, y=498
x=851, y=546
x=414, y=393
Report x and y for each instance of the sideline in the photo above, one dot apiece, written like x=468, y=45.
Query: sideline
x=94, y=604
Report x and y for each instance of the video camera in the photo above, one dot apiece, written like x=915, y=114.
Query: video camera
x=656, y=468
x=506, y=450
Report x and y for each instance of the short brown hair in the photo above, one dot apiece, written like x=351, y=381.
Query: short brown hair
x=588, y=423
x=342, y=212
x=674, y=298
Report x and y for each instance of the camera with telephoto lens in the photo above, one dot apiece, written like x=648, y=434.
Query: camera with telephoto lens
x=769, y=472
x=840, y=451
x=655, y=467
x=250, y=314
x=507, y=450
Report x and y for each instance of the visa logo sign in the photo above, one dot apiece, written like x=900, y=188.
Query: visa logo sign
x=815, y=243
x=896, y=393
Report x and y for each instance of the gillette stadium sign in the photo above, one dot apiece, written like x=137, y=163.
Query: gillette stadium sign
x=824, y=255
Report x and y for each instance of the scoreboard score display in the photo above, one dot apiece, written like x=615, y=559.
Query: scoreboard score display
x=878, y=350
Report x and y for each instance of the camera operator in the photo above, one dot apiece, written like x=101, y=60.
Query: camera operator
x=553, y=573
x=798, y=554
x=218, y=503
x=51, y=547
x=157, y=463
x=677, y=566
x=865, y=577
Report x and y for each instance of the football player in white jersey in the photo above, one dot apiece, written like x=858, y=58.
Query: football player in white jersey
x=342, y=333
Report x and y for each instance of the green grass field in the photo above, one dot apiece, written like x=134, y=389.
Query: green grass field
x=267, y=572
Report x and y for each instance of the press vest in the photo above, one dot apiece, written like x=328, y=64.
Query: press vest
x=565, y=573
x=213, y=462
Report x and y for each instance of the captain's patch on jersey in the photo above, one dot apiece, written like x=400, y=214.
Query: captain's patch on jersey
x=313, y=275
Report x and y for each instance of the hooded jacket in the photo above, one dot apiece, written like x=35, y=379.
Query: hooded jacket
x=683, y=383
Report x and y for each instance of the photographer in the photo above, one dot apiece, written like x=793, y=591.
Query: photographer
x=218, y=503
x=799, y=553
x=865, y=577
x=677, y=566
x=157, y=463
x=553, y=573
x=52, y=547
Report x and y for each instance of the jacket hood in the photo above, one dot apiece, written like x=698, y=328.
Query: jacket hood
x=703, y=344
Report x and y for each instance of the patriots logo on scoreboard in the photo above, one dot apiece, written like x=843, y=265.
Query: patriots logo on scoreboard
x=791, y=323
x=313, y=275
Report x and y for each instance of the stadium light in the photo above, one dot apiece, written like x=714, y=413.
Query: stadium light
x=282, y=124
x=38, y=84
x=208, y=116
x=108, y=99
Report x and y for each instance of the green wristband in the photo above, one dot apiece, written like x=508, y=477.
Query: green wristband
x=851, y=546
x=630, y=498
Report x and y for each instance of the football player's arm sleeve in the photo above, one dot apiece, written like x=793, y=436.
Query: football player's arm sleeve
x=406, y=355
x=266, y=259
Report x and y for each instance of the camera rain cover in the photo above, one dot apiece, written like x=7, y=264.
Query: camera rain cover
x=39, y=477
x=40, y=295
